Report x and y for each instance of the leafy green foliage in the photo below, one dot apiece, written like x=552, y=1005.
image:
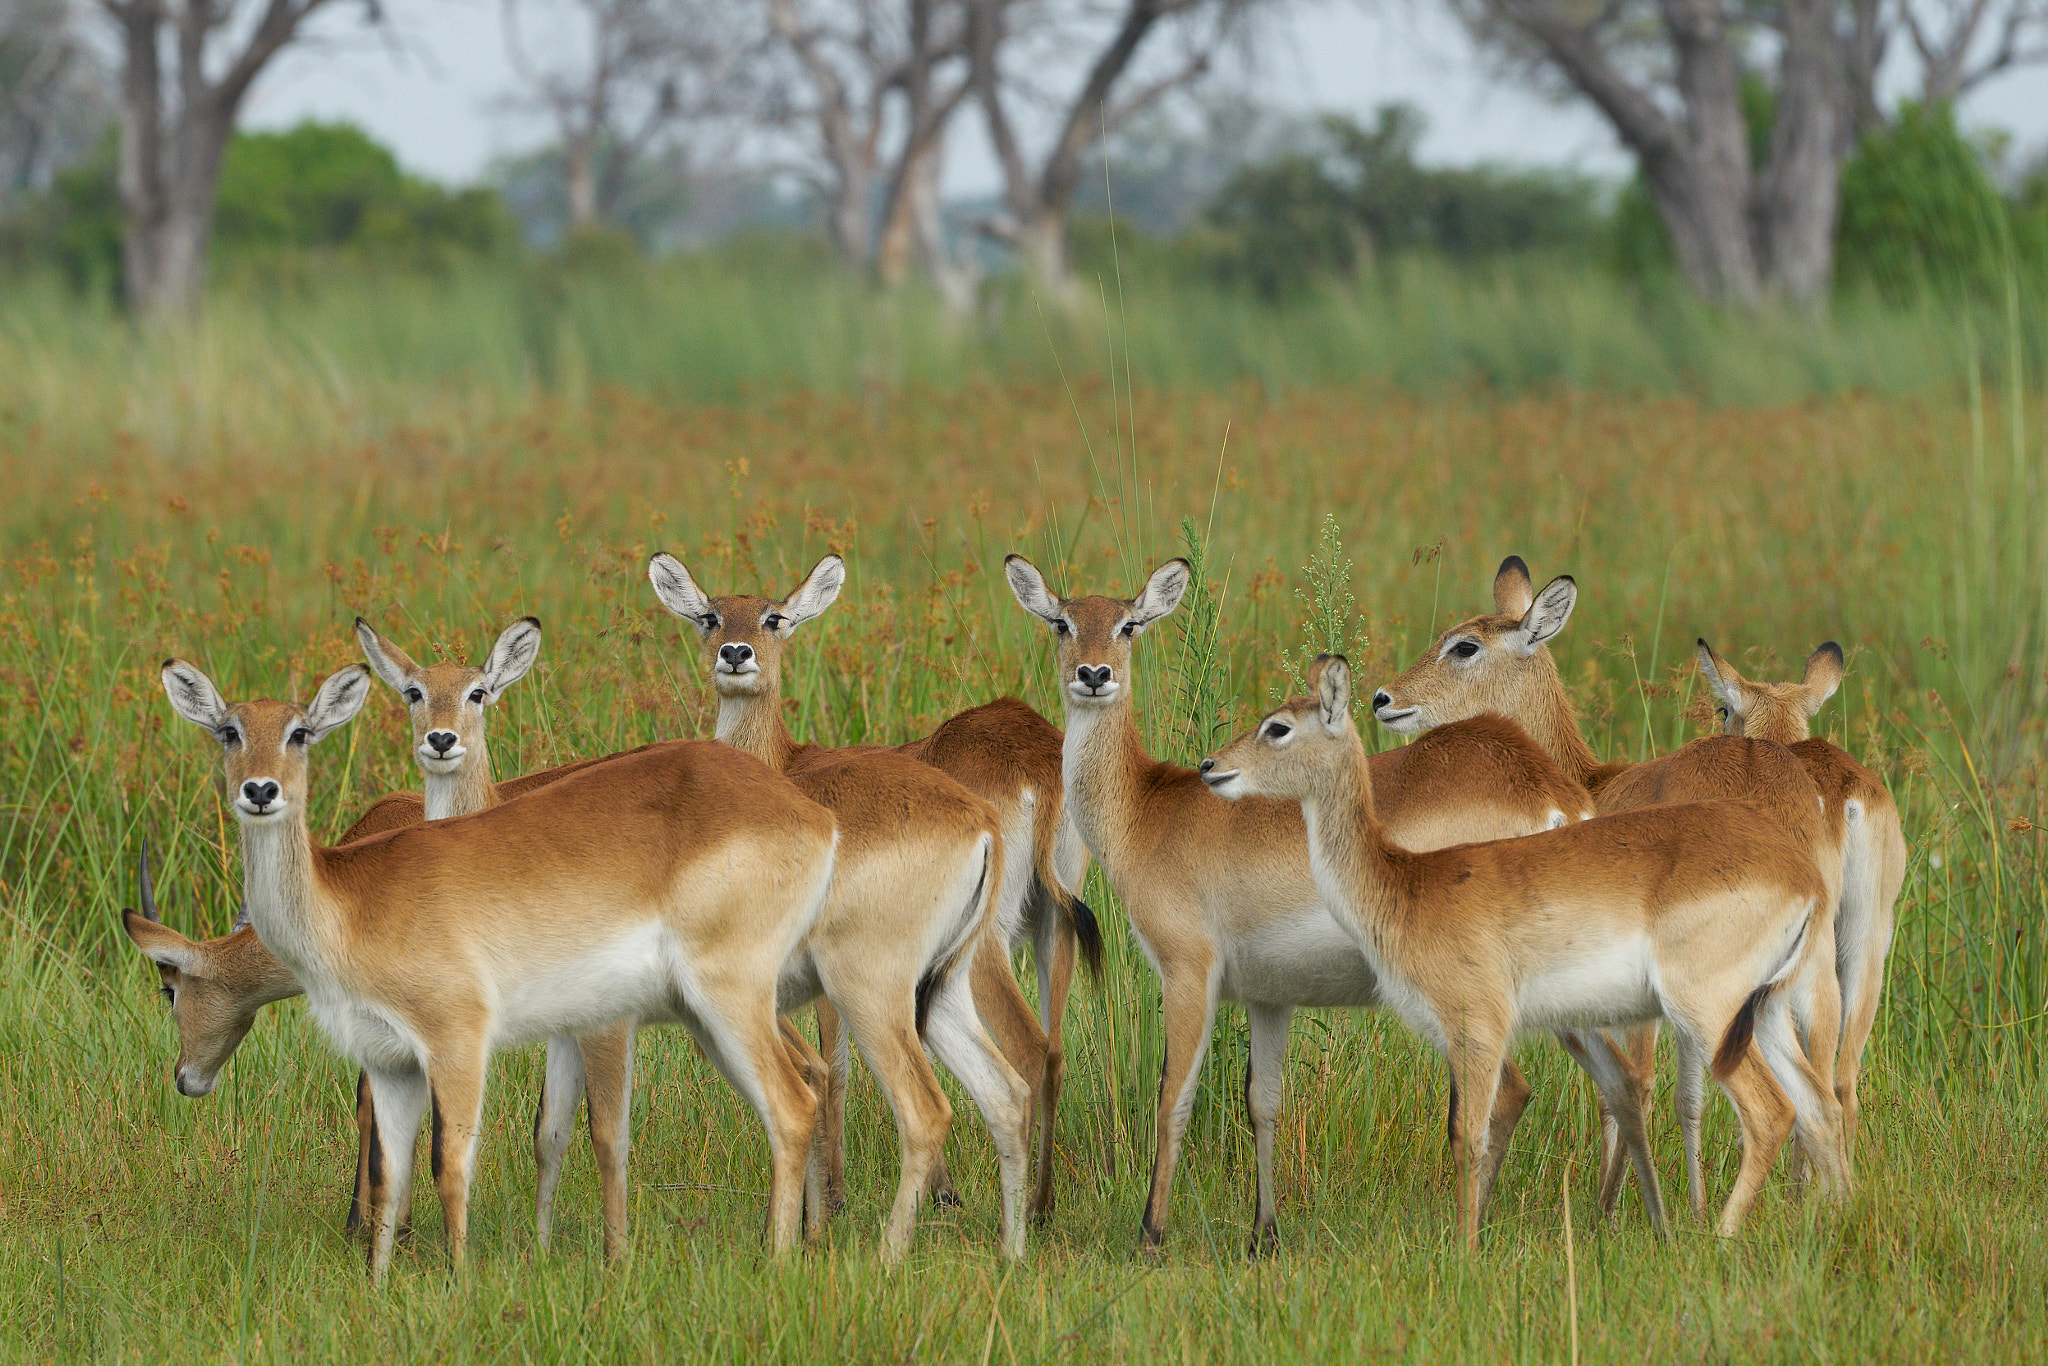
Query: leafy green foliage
x=1918, y=211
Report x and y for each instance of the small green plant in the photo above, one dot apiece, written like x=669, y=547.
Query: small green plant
x=1203, y=682
x=1332, y=623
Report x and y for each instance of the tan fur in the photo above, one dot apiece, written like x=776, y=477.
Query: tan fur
x=893, y=931
x=424, y=949
x=1213, y=889
x=1874, y=847
x=1697, y=910
x=1501, y=662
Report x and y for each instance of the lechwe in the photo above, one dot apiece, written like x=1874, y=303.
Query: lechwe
x=1693, y=913
x=1004, y=753
x=673, y=883
x=1873, y=850
x=1220, y=896
x=1501, y=663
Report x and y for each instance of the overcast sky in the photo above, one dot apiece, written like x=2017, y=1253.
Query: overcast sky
x=434, y=89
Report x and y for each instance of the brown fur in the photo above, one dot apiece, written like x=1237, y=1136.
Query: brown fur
x=1474, y=936
x=436, y=923
x=887, y=945
x=1208, y=883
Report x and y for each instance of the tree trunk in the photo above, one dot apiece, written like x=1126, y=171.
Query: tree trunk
x=1705, y=196
x=849, y=214
x=579, y=155
x=1042, y=245
x=1796, y=202
x=166, y=231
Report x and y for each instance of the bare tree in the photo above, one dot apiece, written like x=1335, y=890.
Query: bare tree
x=934, y=78
x=1038, y=194
x=1963, y=43
x=186, y=66
x=53, y=93
x=645, y=67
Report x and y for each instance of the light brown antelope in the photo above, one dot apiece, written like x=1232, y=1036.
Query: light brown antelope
x=1004, y=753
x=1220, y=895
x=673, y=883
x=1502, y=663
x=1874, y=845
x=1696, y=914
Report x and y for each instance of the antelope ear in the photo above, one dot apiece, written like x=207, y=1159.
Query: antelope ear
x=161, y=944
x=338, y=700
x=1548, y=614
x=679, y=592
x=1512, y=591
x=1029, y=587
x=518, y=646
x=392, y=664
x=1823, y=676
x=193, y=695
x=819, y=590
x=1722, y=678
x=1163, y=592
x=1329, y=678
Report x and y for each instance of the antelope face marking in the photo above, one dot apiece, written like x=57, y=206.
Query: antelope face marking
x=446, y=702
x=1094, y=634
x=742, y=635
x=1288, y=753
x=264, y=743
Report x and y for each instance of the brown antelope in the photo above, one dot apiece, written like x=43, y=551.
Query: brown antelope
x=886, y=939
x=1873, y=849
x=1696, y=914
x=1004, y=753
x=672, y=883
x=1220, y=896
x=1502, y=663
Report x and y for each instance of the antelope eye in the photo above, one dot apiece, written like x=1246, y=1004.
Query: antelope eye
x=1721, y=712
x=415, y=695
x=709, y=621
x=1278, y=730
x=1060, y=627
x=1465, y=649
x=773, y=621
x=302, y=736
x=1128, y=629
x=228, y=735
x=477, y=697
x=169, y=993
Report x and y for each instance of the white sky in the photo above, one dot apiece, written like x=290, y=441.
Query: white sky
x=434, y=89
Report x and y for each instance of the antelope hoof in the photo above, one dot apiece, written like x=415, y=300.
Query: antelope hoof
x=1265, y=1242
x=945, y=1197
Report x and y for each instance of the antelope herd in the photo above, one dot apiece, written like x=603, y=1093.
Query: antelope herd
x=1489, y=878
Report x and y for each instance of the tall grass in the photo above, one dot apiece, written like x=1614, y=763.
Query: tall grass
x=239, y=497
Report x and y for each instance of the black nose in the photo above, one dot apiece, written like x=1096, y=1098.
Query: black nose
x=1093, y=676
x=440, y=741
x=260, y=794
x=1207, y=766
x=735, y=655
x=1380, y=699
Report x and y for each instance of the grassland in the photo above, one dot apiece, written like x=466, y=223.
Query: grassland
x=239, y=495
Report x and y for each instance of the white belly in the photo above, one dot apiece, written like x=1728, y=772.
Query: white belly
x=1301, y=959
x=1616, y=986
x=638, y=973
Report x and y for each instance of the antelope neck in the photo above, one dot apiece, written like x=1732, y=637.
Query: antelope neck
x=754, y=724
x=464, y=792
x=1102, y=757
x=1352, y=859
x=279, y=885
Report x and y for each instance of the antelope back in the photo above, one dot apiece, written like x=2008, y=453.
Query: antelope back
x=1782, y=712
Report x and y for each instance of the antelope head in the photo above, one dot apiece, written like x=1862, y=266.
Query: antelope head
x=1095, y=633
x=1493, y=662
x=447, y=701
x=1292, y=751
x=264, y=743
x=743, y=634
x=1772, y=711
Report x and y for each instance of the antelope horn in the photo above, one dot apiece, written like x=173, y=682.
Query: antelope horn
x=241, y=919
x=149, y=911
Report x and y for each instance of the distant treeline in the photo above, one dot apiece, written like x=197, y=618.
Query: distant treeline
x=1919, y=214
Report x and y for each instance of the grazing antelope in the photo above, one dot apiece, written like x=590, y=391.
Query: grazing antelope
x=1220, y=896
x=1004, y=753
x=673, y=883
x=1873, y=850
x=1696, y=914
x=1502, y=663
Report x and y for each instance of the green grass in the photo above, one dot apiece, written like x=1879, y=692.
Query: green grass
x=239, y=496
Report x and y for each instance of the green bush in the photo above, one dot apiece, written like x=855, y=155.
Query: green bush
x=1919, y=212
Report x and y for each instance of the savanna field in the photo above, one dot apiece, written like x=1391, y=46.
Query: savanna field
x=1348, y=477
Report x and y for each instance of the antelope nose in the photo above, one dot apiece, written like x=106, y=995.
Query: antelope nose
x=1207, y=766
x=1093, y=676
x=440, y=741
x=735, y=655
x=1380, y=699
x=260, y=793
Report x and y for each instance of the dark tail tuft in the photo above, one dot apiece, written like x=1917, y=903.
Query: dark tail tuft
x=1741, y=1030
x=941, y=972
x=1087, y=934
